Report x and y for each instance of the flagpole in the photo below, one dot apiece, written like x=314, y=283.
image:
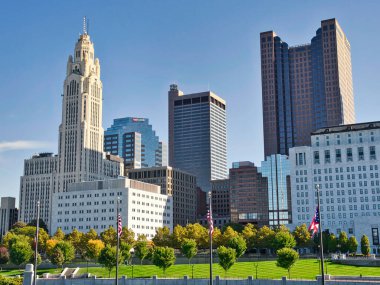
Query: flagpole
x=210, y=233
x=320, y=236
x=118, y=242
x=36, y=243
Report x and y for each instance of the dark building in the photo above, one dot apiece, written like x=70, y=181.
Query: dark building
x=8, y=214
x=248, y=194
x=305, y=87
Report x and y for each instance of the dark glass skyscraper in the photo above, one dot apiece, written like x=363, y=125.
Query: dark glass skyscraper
x=197, y=135
x=305, y=87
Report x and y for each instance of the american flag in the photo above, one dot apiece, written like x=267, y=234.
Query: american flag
x=210, y=222
x=314, y=226
x=119, y=226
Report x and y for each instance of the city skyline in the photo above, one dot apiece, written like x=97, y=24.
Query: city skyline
x=31, y=126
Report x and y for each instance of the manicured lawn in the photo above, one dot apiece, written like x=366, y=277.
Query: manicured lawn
x=15, y=272
x=304, y=269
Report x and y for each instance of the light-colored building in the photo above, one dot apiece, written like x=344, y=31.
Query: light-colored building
x=305, y=87
x=80, y=151
x=198, y=135
x=93, y=204
x=176, y=183
x=8, y=214
x=344, y=162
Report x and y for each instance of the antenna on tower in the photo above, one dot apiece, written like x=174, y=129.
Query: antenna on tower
x=84, y=26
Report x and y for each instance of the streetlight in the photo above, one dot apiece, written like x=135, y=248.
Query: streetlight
x=132, y=252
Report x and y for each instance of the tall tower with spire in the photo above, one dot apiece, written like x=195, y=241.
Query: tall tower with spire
x=80, y=151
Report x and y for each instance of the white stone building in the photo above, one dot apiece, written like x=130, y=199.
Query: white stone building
x=93, y=204
x=344, y=161
x=80, y=151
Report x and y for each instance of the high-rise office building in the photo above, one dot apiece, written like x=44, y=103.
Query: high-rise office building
x=305, y=87
x=248, y=194
x=8, y=214
x=276, y=168
x=80, y=147
x=136, y=142
x=198, y=135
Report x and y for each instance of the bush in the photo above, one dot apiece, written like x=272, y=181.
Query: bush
x=10, y=281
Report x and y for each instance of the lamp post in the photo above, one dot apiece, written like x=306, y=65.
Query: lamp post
x=132, y=252
x=320, y=236
x=36, y=243
x=210, y=234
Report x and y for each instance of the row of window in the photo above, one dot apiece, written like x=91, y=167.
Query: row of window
x=349, y=155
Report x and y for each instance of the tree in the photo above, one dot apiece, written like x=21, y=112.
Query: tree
x=283, y=239
x=179, y=234
x=227, y=257
x=249, y=233
x=41, y=224
x=50, y=244
x=30, y=232
x=286, y=258
x=217, y=237
x=18, y=224
x=235, y=226
x=75, y=238
x=162, y=237
x=107, y=258
x=189, y=248
x=109, y=236
x=125, y=251
x=343, y=241
x=332, y=243
x=127, y=236
x=364, y=245
x=141, y=250
x=238, y=244
x=57, y=257
x=39, y=259
x=352, y=244
x=67, y=249
x=94, y=247
x=198, y=233
x=4, y=255
x=264, y=237
x=20, y=251
x=163, y=257
x=91, y=234
x=302, y=235
x=228, y=234
x=59, y=234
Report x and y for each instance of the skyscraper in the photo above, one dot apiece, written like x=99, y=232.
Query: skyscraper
x=305, y=87
x=8, y=214
x=197, y=135
x=136, y=142
x=80, y=152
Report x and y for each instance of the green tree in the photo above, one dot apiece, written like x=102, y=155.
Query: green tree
x=4, y=255
x=67, y=249
x=364, y=245
x=352, y=244
x=107, y=258
x=18, y=224
x=163, y=257
x=125, y=251
x=343, y=241
x=179, y=234
x=127, y=236
x=57, y=257
x=235, y=226
x=20, y=251
x=41, y=224
x=141, y=250
x=109, y=236
x=94, y=247
x=283, y=239
x=228, y=234
x=189, y=248
x=91, y=234
x=75, y=238
x=332, y=243
x=238, y=244
x=59, y=234
x=286, y=258
x=227, y=257
x=39, y=259
x=162, y=237
x=264, y=237
x=249, y=233
x=198, y=233
x=302, y=235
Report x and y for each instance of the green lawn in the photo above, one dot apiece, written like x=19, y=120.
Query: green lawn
x=304, y=269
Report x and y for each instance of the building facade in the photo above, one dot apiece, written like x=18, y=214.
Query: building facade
x=80, y=147
x=93, y=205
x=8, y=214
x=135, y=140
x=248, y=194
x=276, y=168
x=179, y=185
x=344, y=162
x=198, y=135
x=220, y=190
x=305, y=87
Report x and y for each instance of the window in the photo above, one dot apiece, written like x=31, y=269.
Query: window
x=338, y=155
x=360, y=153
x=316, y=157
x=349, y=154
x=327, y=156
x=372, y=152
x=375, y=236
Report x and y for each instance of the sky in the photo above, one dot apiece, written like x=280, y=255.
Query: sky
x=144, y=46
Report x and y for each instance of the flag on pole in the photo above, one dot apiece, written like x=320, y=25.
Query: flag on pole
x=119, y=226
x=314, y=225
x=210, y=222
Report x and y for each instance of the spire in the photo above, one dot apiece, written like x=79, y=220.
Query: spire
x=84, y=25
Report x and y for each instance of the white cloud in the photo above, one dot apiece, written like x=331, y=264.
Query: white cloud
x=20, y=145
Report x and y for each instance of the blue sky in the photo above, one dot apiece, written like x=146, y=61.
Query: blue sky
x=144, y=46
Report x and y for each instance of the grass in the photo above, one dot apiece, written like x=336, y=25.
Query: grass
x=304, y=269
